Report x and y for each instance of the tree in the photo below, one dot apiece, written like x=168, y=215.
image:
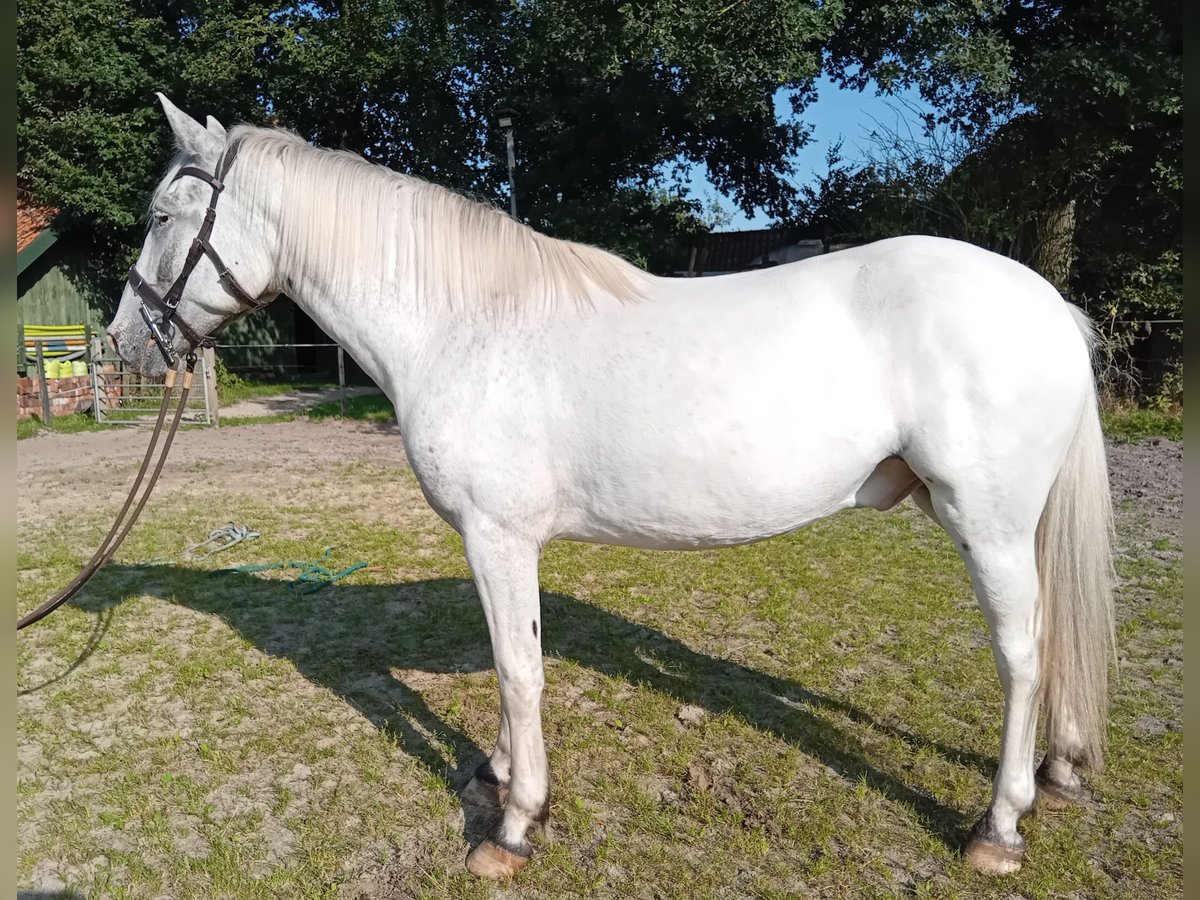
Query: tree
x=1073, y=111
x=616, y=101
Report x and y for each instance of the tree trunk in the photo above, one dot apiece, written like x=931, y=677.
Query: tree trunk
x=1056, y=245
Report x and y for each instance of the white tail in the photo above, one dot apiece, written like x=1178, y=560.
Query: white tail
x=1074, y=559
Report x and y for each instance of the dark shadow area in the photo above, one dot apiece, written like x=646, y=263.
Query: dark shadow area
x=349, y=638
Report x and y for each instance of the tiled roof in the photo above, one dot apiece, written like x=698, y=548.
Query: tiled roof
x=32, y=220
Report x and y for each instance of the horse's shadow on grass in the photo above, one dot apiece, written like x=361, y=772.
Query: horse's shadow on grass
x=349, y=638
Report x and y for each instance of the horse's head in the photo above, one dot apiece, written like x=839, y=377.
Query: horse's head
x=200, y=266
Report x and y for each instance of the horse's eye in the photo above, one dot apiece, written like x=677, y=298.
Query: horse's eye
x=161, y=218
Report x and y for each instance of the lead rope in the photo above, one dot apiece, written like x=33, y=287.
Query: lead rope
x=113, y=540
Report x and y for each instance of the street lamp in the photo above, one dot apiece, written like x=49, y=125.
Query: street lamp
x=505, y=118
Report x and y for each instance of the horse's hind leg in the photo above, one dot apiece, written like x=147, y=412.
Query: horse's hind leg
x=505, y=569
x=994, y=532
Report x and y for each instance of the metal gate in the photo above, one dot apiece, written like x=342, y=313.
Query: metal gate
x=126, y=398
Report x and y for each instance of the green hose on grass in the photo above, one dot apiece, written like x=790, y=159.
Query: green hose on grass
x=313, y=576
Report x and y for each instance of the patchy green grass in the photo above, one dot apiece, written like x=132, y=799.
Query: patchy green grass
x=71, y=424
x=813, y=716
x=367, y=407
x=232, y=390
x=1132, y=424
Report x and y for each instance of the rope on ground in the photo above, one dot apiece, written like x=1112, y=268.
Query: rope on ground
x=219, y=539
x=313, y=576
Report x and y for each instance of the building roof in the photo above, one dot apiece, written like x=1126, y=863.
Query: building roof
x=734, y=251
x=32, y=220
x=34, y=232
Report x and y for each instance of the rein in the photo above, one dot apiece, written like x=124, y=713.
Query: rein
x=122, y=524
x=162, y=331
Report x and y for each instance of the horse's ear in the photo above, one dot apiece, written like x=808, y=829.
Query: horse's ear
x=190, y=135
x=216, y=129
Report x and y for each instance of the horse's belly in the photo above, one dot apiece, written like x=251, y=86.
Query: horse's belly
x=729, y=497
x=724, y=445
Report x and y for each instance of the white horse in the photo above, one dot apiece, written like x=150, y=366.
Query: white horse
x=550, y=390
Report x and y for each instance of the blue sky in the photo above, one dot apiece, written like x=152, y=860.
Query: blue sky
x=837, y=114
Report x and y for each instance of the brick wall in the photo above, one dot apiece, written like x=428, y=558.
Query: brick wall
x=67, y=395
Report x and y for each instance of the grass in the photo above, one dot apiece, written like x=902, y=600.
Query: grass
x=364, y=408
x=69, y=424
x=367, y=407
x=1131, y=424
x=224, y=736
x=234, y=390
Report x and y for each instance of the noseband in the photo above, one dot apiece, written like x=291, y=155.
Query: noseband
x=167, y=304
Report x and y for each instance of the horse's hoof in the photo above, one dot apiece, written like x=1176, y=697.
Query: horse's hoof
x=490, y=860
x=993, y=858
x=1053, y=796
x=483, y=793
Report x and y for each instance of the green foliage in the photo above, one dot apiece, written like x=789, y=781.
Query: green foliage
x=230, y=386
x=1063, y=123
x=1042, y=108
x=614, y=101
x=1130, y=424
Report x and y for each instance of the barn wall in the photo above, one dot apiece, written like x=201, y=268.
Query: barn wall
x=51, y=298
x=49, y=294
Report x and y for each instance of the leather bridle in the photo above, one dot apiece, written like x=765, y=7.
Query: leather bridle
x=162, y=331
x=168, y=303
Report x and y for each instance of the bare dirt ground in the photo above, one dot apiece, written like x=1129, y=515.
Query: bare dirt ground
x=1147, y=486
x=235, y=458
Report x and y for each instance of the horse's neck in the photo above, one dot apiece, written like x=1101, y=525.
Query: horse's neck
x=379, y=326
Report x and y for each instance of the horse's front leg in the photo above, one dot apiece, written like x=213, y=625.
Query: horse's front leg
x=505, y=569
x=489, y=783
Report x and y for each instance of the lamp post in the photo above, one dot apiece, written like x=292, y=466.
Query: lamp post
x=504, y=118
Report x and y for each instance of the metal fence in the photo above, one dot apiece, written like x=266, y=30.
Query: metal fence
x=101, y=384
x=125, y=398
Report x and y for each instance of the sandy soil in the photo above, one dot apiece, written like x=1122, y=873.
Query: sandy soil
x=239, y=457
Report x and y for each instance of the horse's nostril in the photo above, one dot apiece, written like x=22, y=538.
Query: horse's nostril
x=112, y=341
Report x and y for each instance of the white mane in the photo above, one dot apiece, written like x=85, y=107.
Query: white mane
x=346, y=220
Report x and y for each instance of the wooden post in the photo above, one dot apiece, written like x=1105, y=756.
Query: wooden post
x=342, y=377
x=210, y=385
x=44, y=388
x=22, y=365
